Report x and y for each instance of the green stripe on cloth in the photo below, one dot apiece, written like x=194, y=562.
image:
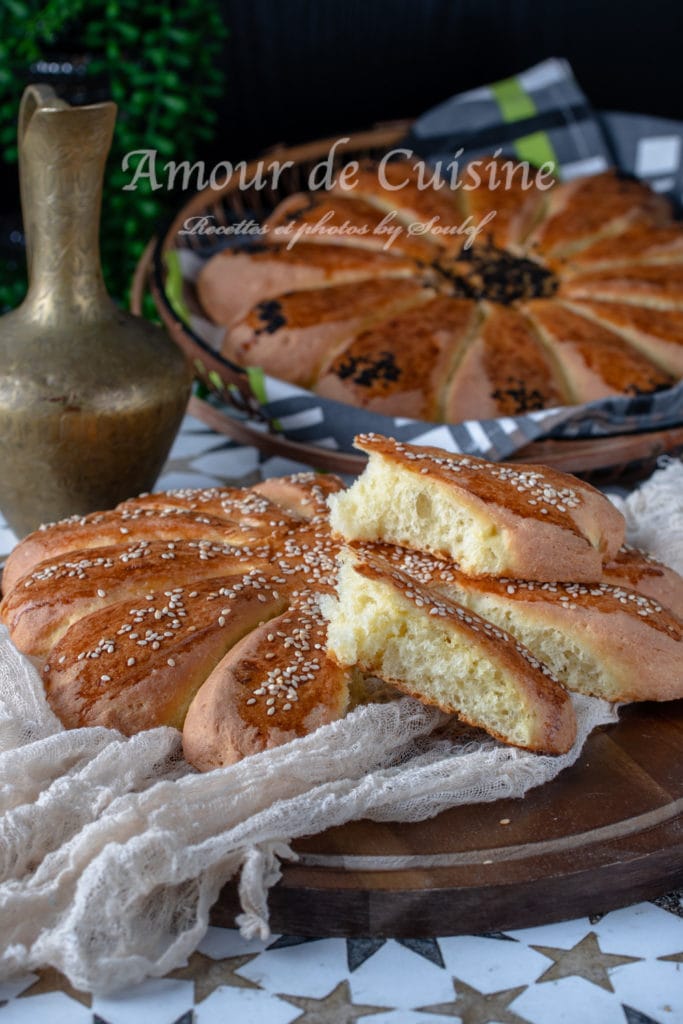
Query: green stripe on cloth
x=537, y=149
x=516, y=105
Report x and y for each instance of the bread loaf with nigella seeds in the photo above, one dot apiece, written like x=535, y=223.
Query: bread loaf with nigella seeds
x=567, y=291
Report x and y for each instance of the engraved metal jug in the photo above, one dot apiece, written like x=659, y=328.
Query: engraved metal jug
x=91, y=397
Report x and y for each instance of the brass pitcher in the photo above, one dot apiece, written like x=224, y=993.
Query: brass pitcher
x=91, y=397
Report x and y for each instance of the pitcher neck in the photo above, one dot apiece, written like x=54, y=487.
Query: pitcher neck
x=62, y=157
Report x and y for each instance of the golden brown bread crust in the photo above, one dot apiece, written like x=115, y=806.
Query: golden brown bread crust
x=343, y=220
x=517, y=209
x=303, y=494
x=133, y=629
x=217, y=515
x=397, y=188
x=128, y=632
x=402, y=366
x=233, y=281
x=40, y=608
x=587, y=209
x=657, y=333
x=549, y=525
x=596, y=362
x=133, y=666
x=642, y=242
x=656, y=285
x=295, y=334
x=505, y=371
x=275, y=685
x=637, y=570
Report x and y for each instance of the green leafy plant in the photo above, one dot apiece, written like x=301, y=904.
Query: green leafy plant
x=160, y=65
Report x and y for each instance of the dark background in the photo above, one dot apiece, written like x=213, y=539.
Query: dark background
x=304, y=69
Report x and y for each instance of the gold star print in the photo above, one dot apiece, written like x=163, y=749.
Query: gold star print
x=334, y=1008
x=52, y=980
x=584, y=960
x=475, y=1007
x=209, y=974
x=676, y=958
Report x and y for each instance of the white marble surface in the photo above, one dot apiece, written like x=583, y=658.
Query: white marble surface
x=625, y=967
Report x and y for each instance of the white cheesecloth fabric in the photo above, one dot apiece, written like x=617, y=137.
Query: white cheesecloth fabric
x=112, y=850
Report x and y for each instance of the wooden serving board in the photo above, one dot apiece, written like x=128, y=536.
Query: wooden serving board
x=606, y=833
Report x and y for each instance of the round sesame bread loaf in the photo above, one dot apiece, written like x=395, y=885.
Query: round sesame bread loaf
x=527, y=522
x=561, y=293
x=205, y=610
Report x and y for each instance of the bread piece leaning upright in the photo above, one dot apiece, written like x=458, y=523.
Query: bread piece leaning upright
x=493, y=519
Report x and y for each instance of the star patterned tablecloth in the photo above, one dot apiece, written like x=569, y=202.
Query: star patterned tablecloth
x=623, y=967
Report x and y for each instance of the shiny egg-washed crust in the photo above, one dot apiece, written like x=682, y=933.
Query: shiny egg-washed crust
x=344, y=220
x=596, y=362
x=396, y=188
x=545, y=525
x=129, y=627
x=642, y=243
x=652, y=285
x=73, y=581
x=603, y=638
x=639, y=571
x=257, y=275
x=517, y=207
x=585, y=210
x=298, y=304
x=656, y=333
x=214, y=515
x=505, y=371
x=201, y=609
x=295, y=334
x=375, y=373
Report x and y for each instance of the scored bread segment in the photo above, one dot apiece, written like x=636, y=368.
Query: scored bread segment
x=294, y=335
x=433, y=648
x=372, y=372
x=236, y=280
x=596, y=361
x=138, y=663
x=527, y=522
x=637, y=570
x=59, y=592
x=275, y=685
